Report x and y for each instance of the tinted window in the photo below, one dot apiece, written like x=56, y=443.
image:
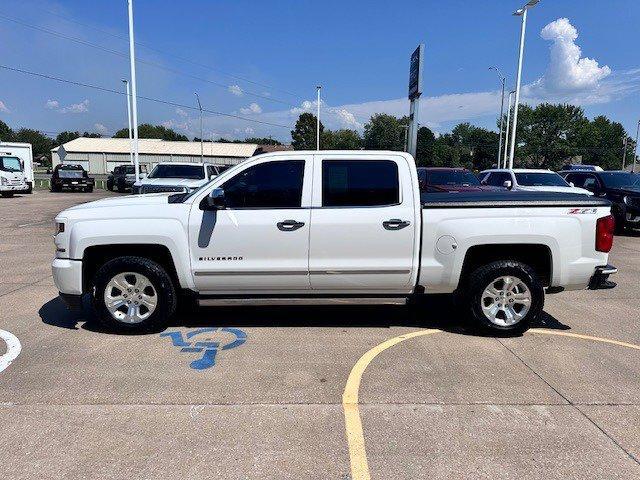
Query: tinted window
x=621, y=180
x=267, y=185
x=497, y=179
x=451, y=177
x=192, y=172
x=540, y=180
x=583, y=180
x=361, y=183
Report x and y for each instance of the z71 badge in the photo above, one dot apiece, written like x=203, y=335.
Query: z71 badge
x=583, y=211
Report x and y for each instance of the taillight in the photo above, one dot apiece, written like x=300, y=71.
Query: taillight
x=605, y=227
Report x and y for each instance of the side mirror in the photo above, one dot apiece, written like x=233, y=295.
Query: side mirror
x=143, y=174
x=212, y=176
x=507, y=184
x=571, y=184
x=215, y=200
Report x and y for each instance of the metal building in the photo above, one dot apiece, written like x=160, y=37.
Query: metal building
x=100, y=155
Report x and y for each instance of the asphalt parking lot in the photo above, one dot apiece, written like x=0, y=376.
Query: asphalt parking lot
x=290, y=392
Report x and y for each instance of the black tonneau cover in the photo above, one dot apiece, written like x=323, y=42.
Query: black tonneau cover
x=509, y=199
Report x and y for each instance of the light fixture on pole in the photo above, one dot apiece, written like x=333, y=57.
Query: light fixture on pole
x=126, y=83
x=519, y=13
x=318, y=88
x=134, y=92
x=506, y=140
x=503, y=80
x=201, y=134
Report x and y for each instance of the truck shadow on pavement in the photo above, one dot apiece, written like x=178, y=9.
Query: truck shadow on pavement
x=436, y=312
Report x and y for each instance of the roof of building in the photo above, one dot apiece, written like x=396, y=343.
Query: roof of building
x=152, y=146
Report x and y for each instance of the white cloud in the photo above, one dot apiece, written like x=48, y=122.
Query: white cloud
x=100, y=128
x=347, y=118
x=253, y=108
x=181, y=112
x=3, y=108
x=568, y=73
x=81, y=107
x=235, y=90
x=52, y=104
x=249, y=131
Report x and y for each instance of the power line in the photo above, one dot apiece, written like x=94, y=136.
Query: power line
x=181, y=58
x=139, y=60
x=140, y=97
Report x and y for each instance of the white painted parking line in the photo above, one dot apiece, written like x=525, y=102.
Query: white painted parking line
x=13, y=349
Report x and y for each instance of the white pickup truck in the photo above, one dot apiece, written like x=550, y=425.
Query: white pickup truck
x=314, y=226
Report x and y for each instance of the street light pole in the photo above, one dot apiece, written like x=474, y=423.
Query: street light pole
x=134, y=91
x=318, y=88
x=126, y=83
x=635, y=150
x=503, y=80
x=520, y=13
x=624, y=150
x=201, y=133
x=506, y=140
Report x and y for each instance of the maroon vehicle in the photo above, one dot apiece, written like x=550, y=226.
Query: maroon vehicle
x=446, y=179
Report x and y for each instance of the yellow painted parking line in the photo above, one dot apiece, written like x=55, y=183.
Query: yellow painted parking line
x=352, y=419
x=585, y=337
x=353, y=423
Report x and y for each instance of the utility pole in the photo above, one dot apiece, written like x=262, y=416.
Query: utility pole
x=201, y=133
x=126, y=83
x=520, y=13
x=503, y=80
x=635, y=150
x=624, y=150
x=134, y=91
x=318, y=88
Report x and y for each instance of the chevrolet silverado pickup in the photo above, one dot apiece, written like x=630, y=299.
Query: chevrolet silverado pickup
x=315, y=226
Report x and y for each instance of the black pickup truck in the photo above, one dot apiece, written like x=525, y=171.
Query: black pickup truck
x=72, y=177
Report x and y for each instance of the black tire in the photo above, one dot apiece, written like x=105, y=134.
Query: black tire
x=7, y=194
x=110, y=185
x=121, y=187
x=55, y=188
x=482, y=277
x=160, y=280
x=89, y=189
x=619, y=214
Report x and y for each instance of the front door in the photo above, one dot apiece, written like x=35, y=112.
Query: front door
x=363, y=229
x=260, y=241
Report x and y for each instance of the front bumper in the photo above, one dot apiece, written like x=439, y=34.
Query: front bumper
x=67, y=275
x=600, y=279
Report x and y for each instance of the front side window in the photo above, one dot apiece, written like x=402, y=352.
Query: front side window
x=497, y=179
x=10, y=164
x=191, y=172
x=275, y=184
x=359, y=183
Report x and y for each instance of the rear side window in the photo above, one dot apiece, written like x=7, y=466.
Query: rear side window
x=497, y=179
x=359, y=183
x=267, y=185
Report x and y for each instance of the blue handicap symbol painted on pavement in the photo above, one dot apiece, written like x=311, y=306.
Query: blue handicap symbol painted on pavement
x=190, y=343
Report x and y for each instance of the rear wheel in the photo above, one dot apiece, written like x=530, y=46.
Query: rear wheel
x=133, y=294
x=7, y=194
x=504, y=297
x=110, y=185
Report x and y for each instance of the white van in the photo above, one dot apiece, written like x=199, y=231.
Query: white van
x=14, y=179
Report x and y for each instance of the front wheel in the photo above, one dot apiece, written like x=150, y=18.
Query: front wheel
x=504, y=297
x=133, y=294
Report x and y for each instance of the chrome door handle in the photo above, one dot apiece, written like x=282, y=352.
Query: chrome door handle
x=289, y=225
x=395, y=224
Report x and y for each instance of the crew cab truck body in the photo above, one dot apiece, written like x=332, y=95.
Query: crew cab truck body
x=314, y=225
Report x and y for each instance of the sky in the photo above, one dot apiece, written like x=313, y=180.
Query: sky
x=259, y=62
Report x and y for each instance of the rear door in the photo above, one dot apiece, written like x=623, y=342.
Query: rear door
x=363, y=229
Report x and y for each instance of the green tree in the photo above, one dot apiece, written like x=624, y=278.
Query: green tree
x=303, y=136
x=425, y=148
x=262, y=141
x=602, y=142
x=40, y=143
x=384, y=132
x=6, y=134
x=344, y=139
x=147, y=130
x=64, y=137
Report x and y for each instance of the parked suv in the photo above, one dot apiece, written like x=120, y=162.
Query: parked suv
x=621, y=188
x=72, y=177
x=529, y=180
x=123, y=177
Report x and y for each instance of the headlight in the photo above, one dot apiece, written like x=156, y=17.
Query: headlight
x=3, y=181
x=626, y=200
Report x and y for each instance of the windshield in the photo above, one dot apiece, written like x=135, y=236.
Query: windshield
x=550, y=179
x=451, y=177
x=70, y=173
x=621, y=180
x=192, y=172
x=10, y=164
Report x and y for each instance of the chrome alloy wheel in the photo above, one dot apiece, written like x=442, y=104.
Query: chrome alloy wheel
x=130, y=297
x=506, y=301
